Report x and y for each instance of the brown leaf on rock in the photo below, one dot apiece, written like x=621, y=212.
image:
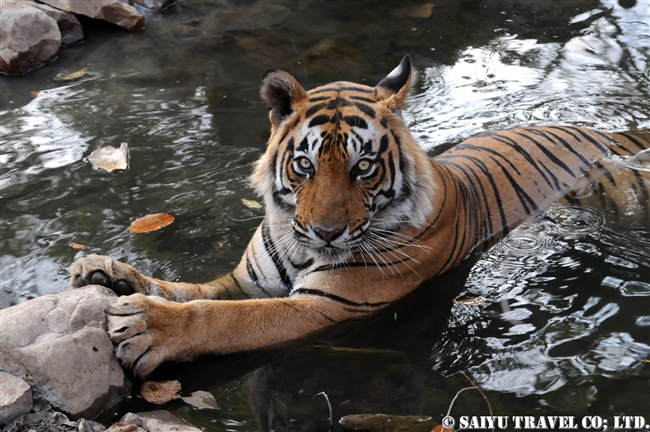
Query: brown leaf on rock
x=71, y=76
x=152, y=222
x=160, y=392
x=122, y=427
x=109, y=158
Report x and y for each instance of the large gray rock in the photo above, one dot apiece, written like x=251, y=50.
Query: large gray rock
x=15, y=398
x=113, y=11
x=158, y=421
x=69, y=25
x=59, y=344
x=28, y=37
x=155, y=5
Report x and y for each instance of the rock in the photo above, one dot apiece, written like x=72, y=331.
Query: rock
x=69, y=25
x=59, y=342
x=158, y=421
x=15, y=398
x=28, y=37
x=113, y=11
x=155, y=5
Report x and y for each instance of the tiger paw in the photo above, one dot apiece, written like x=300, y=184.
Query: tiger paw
x=136, y=324
x=106, y=271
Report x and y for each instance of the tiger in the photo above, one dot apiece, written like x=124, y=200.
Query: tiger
x=357, y=216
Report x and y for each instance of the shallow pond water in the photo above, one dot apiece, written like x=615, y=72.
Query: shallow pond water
x=565, y=329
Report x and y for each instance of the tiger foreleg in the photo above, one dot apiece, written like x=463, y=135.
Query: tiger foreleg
x=125, y=280
x=151, y=330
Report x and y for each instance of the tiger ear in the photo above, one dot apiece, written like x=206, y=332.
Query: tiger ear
x=281, y=93
x=394, y=89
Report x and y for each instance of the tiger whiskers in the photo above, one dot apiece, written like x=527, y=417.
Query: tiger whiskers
x=374, y=239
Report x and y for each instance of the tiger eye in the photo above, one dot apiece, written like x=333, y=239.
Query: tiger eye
x=363, y=165
x=304, y=163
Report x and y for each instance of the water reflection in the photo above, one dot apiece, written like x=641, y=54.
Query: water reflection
x=565, y=326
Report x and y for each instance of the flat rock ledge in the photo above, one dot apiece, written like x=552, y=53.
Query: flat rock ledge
x=31, y=32
x=57, y=345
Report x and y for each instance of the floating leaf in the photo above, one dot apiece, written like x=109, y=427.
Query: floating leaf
x=109, y=158
x=439, y=428
x=647, y=361
x=152, y=222
x=387, y=423
x=34, y=94
x=470, y=301
x=77, y=246
x=71, y=75
x=160, y=392
x=251, y=204
x=201, y=400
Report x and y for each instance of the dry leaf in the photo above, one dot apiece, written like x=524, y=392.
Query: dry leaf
x=470, y=301
x=647, y=361
x=251, y=204
x=71, y=75
x=77, y=246
x=152, y=222
x=439, y=428
x=220, y=243
x=109, y=158
x=201, y=400
x=34, y=94
x=160, y=392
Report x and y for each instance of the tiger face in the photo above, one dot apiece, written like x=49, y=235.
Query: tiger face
x=340, y=168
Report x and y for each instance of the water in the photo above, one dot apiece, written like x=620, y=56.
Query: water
x=564, y=330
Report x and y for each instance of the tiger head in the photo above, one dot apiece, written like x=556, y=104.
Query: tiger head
x=341, y=167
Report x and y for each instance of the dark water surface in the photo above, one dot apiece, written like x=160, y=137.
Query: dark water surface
x=566, y=326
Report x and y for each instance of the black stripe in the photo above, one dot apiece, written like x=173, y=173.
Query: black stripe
x=635, y=141
x=355, y=121
x=546, y=152
x=512, y=143
x=269, y=246
x=232, y=275
x=339, y=299
x=362, y=99
x=367, y=110
x=335, y=88
x=249, y=268
x=319, y=98
x=606, y=173
x=495, y=189
x=485, y=231
x=311, y=111
x=596, y=144
x=319, y=120
x=563, y=142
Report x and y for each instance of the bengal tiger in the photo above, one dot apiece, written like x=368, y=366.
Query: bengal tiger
x=357, y=217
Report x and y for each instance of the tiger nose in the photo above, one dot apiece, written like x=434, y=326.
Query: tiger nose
x=328, y=235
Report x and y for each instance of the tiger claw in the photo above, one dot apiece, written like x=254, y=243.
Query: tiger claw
x=140, y=347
